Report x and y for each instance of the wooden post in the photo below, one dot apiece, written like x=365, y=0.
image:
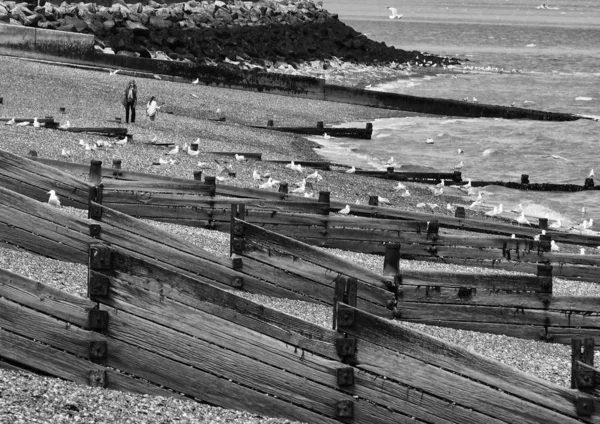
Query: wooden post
x=270, y=123
x=320, y=125
x=210, y=180
x=324, y=197
x=582, y=351
x=116, y=163
x=198, y=175
x=374, y=200
x=118, y=120
x=130, y=138
x=390, y=169
x=524, y=179
x=283, y=188
x=62, y=110
x=543, y=223
x=589, y=183
x=391, y=262
x=95, y=175
x=460, y=212
x=369, y=126
x=457, y=176
x=1, y=100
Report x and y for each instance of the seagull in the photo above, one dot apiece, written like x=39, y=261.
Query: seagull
x=36, y=124
x=174, y=150
x=399, y=187
x=203, y=165
x=154, y=139
x=113, y=72
x=554, y=247
x=239, y=158
x=421, y=205
x=394, y=13
x=267, y=185
x=121, y=142
x=474, y=99
x=351, y=170
x=315, y=175
x=555, y=225
x=156, y=77
x=291, y=165
x=591, y=174
x=496, y=211
x=196, y=81
x=23, y=124
x=429, y=141
x=383, y=200
x=518, y=209
x=300, y=189
x=327, y=136
x=193, y=95
x=450, y=207
x=582, y=251
x=345, y=211
x=65, y=126
x=162, y=161
x=53, y=200
x=522, y=220
x=432, y=206
x=459, y=166
x=437, y=191
x=586, y=225
x=442, y=183
x=11, y=122
x=460, y=151
x=66, y=153
x=391, y=161
x=406, y=193
x=218, y=111
x=191, y=152
x=476, y=203
x=256, y=175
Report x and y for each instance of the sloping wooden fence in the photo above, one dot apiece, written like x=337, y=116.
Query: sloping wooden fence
x=517, y=306
x=145, y=326
x=191, y=202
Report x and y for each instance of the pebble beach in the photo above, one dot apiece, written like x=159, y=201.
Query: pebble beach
x=92, y=98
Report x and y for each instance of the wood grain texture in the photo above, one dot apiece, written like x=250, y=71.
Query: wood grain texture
x=415, y=346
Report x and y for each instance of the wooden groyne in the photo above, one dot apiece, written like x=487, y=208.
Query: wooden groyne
x=320, y=129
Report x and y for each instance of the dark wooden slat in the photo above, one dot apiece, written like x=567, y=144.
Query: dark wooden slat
x=481, y=282
x=432, y=294
x=190, y=187
x=247, y=155
x=264, y=240
x=62, y=165
x=565, y=335
x=363, y=133
x=101, y=130
x=417, y=347
x=69, y=367
x=326, y=166
x=494, y=314
x=40, y=120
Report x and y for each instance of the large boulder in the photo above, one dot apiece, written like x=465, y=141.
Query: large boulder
x=158, y=22
x=137, y=28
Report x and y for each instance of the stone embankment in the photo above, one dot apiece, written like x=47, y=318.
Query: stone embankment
x=265, y=34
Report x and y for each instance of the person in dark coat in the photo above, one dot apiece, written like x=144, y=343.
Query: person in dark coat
x=130, y=100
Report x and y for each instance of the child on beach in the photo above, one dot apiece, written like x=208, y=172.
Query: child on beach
x=152, y=109
x=130, y=100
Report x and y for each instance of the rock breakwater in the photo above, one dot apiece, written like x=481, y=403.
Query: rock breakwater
x=278, y=35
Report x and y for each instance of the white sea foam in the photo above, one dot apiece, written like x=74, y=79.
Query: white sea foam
x=584, y=99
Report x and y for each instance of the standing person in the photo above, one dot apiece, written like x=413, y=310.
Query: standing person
x=130, y=100
x=152, y=109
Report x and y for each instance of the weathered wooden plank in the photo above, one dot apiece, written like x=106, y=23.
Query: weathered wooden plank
x=159, y=309
x=163, y=370
x=60, y=364
x=263, y=240
x=151, y=199
x=191, y=187
x=158, y=211
x=77, y=168
x=316, y=284
x=480, y=282
x=565, y=335
x=339, y=236
x=44, y=298
x=410, y=311
x=246, y=155
x=190, y=291
x=370, y=247
x=470, y=224
x=311, y=164
x=566, y=271
x=38, y=193
x=11, y=367
x=433, y=294
x=99, y=130
x=419, y=349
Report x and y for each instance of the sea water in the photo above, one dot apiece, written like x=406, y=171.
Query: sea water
x=512, y=54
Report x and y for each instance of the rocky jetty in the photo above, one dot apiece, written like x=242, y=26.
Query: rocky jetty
x=268, y=34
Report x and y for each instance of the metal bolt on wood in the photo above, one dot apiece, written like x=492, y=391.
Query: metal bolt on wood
x=237, y=283
x=98, y=285
x=238, y=246
x=584, y=406
x=100, y=257
x=97, y=378
x=345, y=376
x=236, y=263
x=98, y=350
x=344, y=409
x=345, y=347
x=97, y=320
x=95, y=230
x=345, y=316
